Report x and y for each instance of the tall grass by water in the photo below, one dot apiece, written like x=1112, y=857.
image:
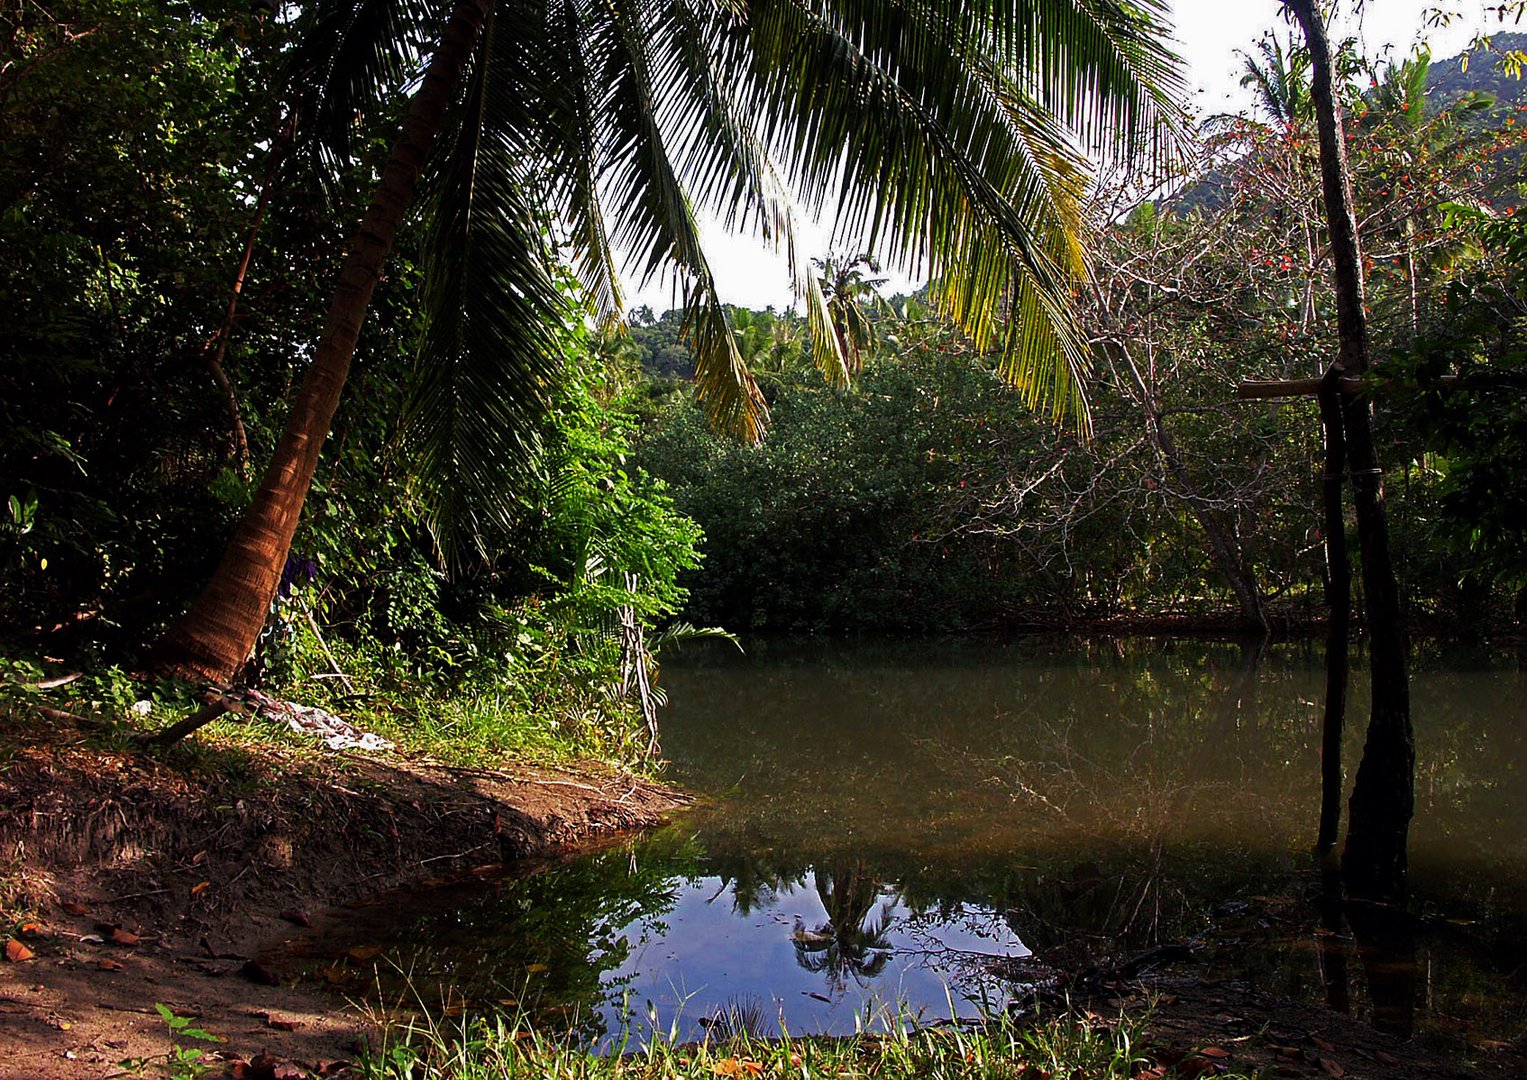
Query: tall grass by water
x=1072, y=1045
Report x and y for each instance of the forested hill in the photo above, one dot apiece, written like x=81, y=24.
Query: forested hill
x=1451, y=78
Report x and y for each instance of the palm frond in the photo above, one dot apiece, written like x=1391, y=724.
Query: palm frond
x=946, y=134
x=350, y=56
x=472, y=429
x=657, y=226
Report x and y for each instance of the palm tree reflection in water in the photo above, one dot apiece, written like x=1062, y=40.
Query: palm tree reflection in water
x=853, y=942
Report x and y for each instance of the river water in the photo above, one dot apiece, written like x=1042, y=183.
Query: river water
x=918, y=829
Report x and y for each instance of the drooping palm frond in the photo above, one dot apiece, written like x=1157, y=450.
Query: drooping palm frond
x=471, y=432
x=951, y=136
x=350, y=56
x=961, y=125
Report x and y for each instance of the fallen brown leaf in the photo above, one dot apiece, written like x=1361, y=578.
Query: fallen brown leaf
x=200, y=887
x=1215, y=1052
x=364, y=952
x=297, y=916
x=74, y=907
x=1327, y=1047
x=1332, y=1068
x=123, y=937
x=1386, y=1058
x=17, y=953
x=282, y=1023
x=107, y=964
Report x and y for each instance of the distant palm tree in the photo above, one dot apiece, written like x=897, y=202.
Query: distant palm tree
x=850, y=296
x=948, y=133
x=1281, y=81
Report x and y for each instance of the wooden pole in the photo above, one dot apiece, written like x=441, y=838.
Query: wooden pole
x=1338, y=627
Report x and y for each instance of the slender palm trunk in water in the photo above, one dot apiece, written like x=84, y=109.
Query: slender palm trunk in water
x=1383, y=796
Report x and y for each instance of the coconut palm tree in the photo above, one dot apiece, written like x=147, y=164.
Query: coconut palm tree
x=849, y=292
x=947, y=134
x=1281, y=81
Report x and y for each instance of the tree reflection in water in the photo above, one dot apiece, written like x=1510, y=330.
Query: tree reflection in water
x=853, y=942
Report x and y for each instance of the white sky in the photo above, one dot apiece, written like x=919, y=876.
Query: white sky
x=1208, y=31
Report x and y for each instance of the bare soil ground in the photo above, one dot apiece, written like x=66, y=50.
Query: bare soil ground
x=135, y=880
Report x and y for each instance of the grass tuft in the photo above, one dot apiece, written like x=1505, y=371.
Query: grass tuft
x=1068, y=1047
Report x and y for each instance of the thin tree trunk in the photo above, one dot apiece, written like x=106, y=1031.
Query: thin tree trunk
x=215, y=349
x=1338, y=629
x=1383, y=796
x=1242, y=580
x=218, y=634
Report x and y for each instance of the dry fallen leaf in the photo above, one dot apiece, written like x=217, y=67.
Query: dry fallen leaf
x=16, y=952
x=106, y=964
x=1327, y=1047
x=74, y=907
x=123, y=937
x=1386, y=1058
x=282, y=1023
x=31, y=928
x=364, y=952
x=297, y=916
x=1332, y=1068
x=200, y=887
x=1215, y=1052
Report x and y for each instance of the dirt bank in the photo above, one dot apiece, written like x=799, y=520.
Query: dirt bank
x=132, y=881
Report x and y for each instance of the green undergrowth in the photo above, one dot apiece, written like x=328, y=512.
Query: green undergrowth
x=479, y=726
x=1067, y=1047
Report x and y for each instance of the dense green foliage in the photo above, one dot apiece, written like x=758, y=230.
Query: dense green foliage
x=139, y=146
x=927, y=499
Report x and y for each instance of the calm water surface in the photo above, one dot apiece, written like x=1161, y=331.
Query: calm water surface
x=926, y=826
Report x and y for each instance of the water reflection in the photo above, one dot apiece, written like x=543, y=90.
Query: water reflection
x=920, y=823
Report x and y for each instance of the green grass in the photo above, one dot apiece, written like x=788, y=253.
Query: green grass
x=471, y=726
x=1069, y=1047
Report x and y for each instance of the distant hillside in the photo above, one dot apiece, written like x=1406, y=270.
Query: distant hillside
x=1450, y=79
x=1447, y=80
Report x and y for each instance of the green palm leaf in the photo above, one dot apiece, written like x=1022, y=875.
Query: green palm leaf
x=472, y=429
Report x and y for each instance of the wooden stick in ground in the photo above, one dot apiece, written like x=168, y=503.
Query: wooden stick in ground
x=180, y=729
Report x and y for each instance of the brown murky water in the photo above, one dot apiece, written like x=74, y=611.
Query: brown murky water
x=895, y=829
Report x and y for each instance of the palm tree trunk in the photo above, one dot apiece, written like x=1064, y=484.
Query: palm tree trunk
x=217, y=635
x=1383, y=796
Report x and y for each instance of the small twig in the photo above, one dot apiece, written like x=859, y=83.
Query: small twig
x=140, y=895
x=458, y=855
x=324, y=645
x=47, y=712
x=569, y=783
